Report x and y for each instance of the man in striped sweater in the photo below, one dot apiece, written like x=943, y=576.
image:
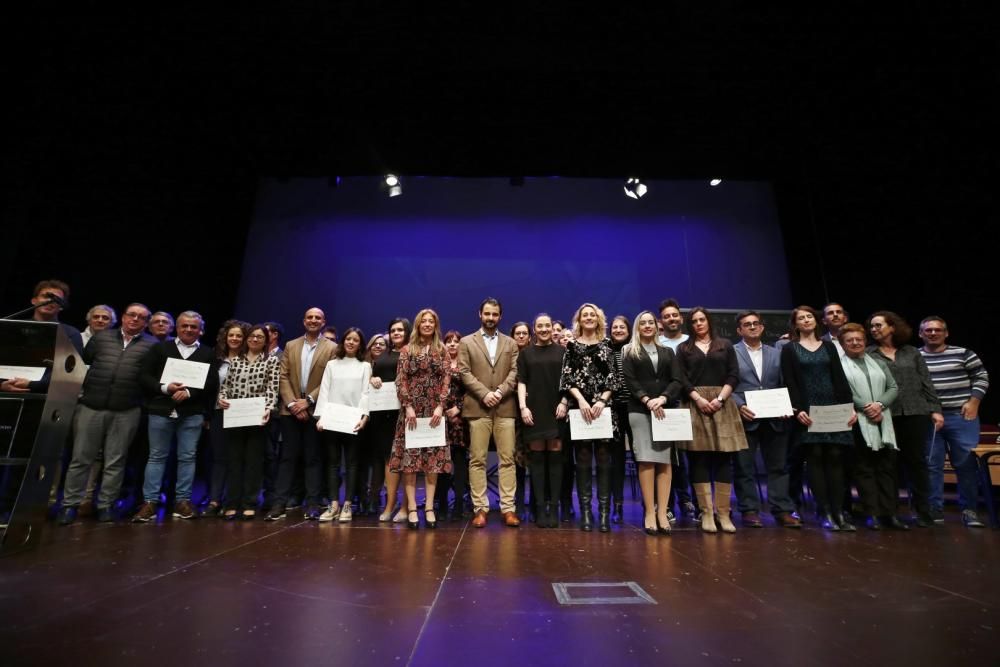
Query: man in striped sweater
x=961, y=381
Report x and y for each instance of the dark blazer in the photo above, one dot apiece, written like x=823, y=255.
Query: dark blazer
x=202, y=401
x=750, y=382
x=642, y=380
x=791, y=371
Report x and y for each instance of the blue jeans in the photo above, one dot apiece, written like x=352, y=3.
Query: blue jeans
x=161, y=434
x=958, y=437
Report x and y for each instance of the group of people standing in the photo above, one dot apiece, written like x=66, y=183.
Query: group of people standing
x=517, y=392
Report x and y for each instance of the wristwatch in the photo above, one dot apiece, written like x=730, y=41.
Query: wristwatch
x=720, y=399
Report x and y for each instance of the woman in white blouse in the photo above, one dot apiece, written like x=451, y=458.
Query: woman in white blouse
x=345, y=383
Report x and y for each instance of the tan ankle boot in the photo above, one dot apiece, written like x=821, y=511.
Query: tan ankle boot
x=704, y=494
x=722, y=497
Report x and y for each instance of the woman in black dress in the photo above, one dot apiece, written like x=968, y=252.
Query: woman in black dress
x=814, y=376
x=382, y=424
x=711, y=372
x=539, y=368
x=458, y=437
x=621, y=334
x=521, y=333
x=588, y=381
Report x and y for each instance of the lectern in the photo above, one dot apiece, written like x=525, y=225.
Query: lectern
x=34, y=426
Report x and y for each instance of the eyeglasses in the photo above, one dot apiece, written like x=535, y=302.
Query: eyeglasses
x=256, y=337
x=378, y=343
x=136, y=316
x=752, y=325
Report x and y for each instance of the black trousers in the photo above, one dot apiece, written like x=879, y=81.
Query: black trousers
x=711, y=466
x=618, y=454
x=457, y=479
x=217, y=464
x=341, y=448
x=300, y=440
x=875, y=477
x=773, y=446
x=825, y=463
x=911, y=438
x=245, y=456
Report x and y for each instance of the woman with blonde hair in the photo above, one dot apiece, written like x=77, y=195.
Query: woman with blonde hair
x=422, y=381
x=588, y=381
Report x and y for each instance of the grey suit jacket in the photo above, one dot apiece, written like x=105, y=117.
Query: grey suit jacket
x=750, y=382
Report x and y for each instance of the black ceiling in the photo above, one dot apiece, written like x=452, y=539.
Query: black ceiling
x=738, y=89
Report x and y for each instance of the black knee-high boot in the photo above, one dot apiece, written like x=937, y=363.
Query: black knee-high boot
x=585, y=493
x=556, y=463
x=537, y=464
x=603, y=495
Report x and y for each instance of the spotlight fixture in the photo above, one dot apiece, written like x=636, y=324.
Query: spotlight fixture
x=394, y=184
x=715, y=181
x=635, y=188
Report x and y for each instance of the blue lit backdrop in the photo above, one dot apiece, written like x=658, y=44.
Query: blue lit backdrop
x=548, y=245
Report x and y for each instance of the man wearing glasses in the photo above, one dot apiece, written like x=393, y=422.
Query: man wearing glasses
x=961, y=382
x=161, y=325
x=107, y=415
x=760, y=368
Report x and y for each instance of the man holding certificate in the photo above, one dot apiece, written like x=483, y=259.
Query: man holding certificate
x=766, y=429
x=181, y=385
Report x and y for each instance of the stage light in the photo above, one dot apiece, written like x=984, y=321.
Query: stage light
x=394, y=184
x=635, y=188
x=714, y=182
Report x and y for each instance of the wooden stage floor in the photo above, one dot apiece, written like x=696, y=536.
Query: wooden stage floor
x=292, y=592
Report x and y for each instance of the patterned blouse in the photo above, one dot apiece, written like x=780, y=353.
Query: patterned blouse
x=591, y=369
x=251, y=379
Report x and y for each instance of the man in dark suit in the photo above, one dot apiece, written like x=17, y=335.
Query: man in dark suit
x=176, y=411
x=760, y=368
x=487, y=360
x=302, y=366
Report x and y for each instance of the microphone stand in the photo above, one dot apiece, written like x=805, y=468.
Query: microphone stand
x=28, y=309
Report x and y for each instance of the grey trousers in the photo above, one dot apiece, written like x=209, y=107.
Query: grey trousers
x=112, y=430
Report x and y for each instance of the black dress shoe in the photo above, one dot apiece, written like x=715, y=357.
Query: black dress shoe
x=892, y=521
x=873, y=523
x=828, y=522
x=67, y=515
x=844, y=522
x=105, y=515
x=925, y=521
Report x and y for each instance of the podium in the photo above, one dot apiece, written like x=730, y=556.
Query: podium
x=34, y=426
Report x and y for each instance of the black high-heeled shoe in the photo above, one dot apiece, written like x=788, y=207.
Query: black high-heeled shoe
x=427, y=521
x=651, y=531
x=662, y=528
x=412, y=524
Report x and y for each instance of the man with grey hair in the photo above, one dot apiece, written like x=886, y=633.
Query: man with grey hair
x=161, y=325
x=99, y=318
x=175, y=410
x=107, y=416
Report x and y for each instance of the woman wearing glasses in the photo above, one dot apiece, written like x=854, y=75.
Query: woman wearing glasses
x=230, y=345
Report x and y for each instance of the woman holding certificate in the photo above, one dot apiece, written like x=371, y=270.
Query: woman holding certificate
x=252, y=376
x=230, y=344
x=621, y=335
x=589, y=379
x=422, y=381
x=342, y=411
x=382, y=430
x=653, y=378
x=874, y=391
x=711, y=372
x=539, y=367
x=815, y=377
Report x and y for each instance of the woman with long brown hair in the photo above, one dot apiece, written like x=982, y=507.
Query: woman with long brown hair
x=457, y=436
x=382, y=424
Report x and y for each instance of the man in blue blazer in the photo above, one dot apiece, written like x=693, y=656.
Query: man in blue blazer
x=760, y=368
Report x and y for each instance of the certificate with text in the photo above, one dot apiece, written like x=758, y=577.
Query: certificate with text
x=830, y=418
x=190, y=373
x=425, y=435
x=768, y=403
x=598, y=429
x=383, y=398
x=675, y=425
x=30, y=373
x=244, y=412
x=340, y=418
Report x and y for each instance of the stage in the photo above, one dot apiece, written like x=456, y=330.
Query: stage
x=294, y=592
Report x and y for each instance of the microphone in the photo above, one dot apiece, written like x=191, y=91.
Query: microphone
x=52, y=298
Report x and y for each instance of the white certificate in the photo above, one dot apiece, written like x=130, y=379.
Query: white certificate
x=675, y=425
x=830, y=418
x=189, y=373
x=424, y=435
x=383, y=398
x=244, y=412
x=32, y=373
x=598, y=429
x=767, y=403
x=340, y=418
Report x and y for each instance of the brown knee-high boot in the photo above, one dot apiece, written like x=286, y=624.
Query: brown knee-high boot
x=722, y=497
x=704, y=494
